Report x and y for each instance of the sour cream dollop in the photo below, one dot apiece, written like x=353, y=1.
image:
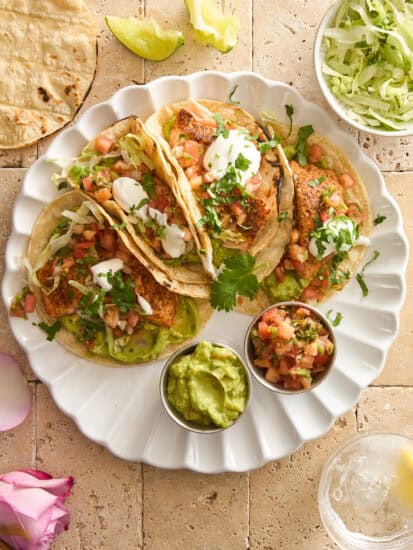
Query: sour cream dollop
x=223, y=152
x=129, y=193
x=100, y=272
x=335, y=235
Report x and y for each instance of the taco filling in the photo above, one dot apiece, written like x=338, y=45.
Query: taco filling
x=233, y=172
x=327, y=224
x=93, y=286
x=122, y=171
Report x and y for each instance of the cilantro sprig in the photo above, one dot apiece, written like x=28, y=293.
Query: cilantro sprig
x=242, y=163
x=148, y=184
x=266, y=146
x=221, y=130
x=303, y=134
x=379, y=219
x=360, y=276
x=231, y=95
x=237, y=278
x=50, y=330
x=289, y=109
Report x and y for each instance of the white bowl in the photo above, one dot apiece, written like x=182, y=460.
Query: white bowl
x=330, y=98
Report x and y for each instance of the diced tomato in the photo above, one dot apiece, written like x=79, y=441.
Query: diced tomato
x=272, y=317
x=263, y=330
x=192, y=148
x=192, y=171
x=354, y=212
x=280, y=274
x=103, y=144
x=322, y=360
x=88, y=184
x=120, y=166
x=68, y=262
x=29, y=303
x=324, y=215
x=17, y=312
x=272, y=375
x=262, y=363
x=310, y=293
x=333, y=200
x=346, y=180
x=133, y=318
x=285, y=331
x=302, y=312
x=315, y=153
x=79, y=253
x=306, y=361
x=160, y=203
x=284, y=366
x=83, y=244
x=107, y=239
x=186, y=161
x=102, y=195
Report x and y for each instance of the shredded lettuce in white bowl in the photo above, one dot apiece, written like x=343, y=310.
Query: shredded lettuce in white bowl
x=364, y=64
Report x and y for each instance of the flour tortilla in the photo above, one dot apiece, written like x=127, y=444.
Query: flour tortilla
x=40, y=235
x=341, y=164
x=229, y=112
x=47, y=65
x=186, y=274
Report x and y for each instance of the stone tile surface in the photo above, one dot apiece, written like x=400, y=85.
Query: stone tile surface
x=399, y=365
x=106, y=502
x=386, y=410
x=194, y=511
x=283, y=495
x=17, y=445
x=118, y=505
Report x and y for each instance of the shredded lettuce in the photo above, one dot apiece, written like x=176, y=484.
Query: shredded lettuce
x=368, y=61
x=132, y=148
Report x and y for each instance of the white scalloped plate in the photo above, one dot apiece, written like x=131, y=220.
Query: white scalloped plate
x=120, y=408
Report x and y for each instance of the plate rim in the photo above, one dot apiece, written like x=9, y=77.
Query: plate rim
x=230, y=77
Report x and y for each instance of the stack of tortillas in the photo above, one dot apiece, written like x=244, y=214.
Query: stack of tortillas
x=47, y=64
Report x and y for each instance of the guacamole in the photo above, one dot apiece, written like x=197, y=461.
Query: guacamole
x=208, y=387
x=290, y=289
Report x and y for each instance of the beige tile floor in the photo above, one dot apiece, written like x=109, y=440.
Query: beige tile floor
x=121, y=506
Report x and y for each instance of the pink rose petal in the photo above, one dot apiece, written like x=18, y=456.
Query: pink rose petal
x=15, y=397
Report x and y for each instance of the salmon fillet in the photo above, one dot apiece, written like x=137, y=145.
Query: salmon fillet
x=194, y=128
x=65, y=299
x=164, y=303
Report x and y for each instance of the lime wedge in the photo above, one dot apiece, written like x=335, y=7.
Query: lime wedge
x=211, y=26
x=145, y=37
x=404, y=483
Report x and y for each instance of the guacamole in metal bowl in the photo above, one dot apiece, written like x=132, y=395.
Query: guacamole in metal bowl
x=207, y=387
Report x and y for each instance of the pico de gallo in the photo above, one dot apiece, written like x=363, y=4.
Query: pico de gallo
x=291, y=346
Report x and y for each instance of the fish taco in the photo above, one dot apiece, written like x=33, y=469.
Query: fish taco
x=230, y=173
x=331, y=224
x=95, y=294
x=125, y=171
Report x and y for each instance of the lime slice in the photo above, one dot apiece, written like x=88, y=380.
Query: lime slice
x=144, y=37
x=404, y=483
x=211, y=26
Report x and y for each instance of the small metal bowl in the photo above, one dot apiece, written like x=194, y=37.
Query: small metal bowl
x=258, y=374
x=173, y=413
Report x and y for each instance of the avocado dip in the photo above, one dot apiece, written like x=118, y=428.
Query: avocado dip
x=209, y=387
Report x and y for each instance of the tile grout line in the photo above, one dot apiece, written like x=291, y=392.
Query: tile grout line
x=142, y=506
x=35, y=434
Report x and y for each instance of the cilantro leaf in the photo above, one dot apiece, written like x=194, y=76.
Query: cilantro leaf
x=303, y=134
x=266, y=146
x=379, y=219
x=360, y=276
x=335, y=321
x=317, y=181
x=237, y=278
x=221, y=130
x=283, y=215
x=79, y=171
x=289, y=109
x=148, y=184
x=50, y=330
x=231, y=95
x=242, y=163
